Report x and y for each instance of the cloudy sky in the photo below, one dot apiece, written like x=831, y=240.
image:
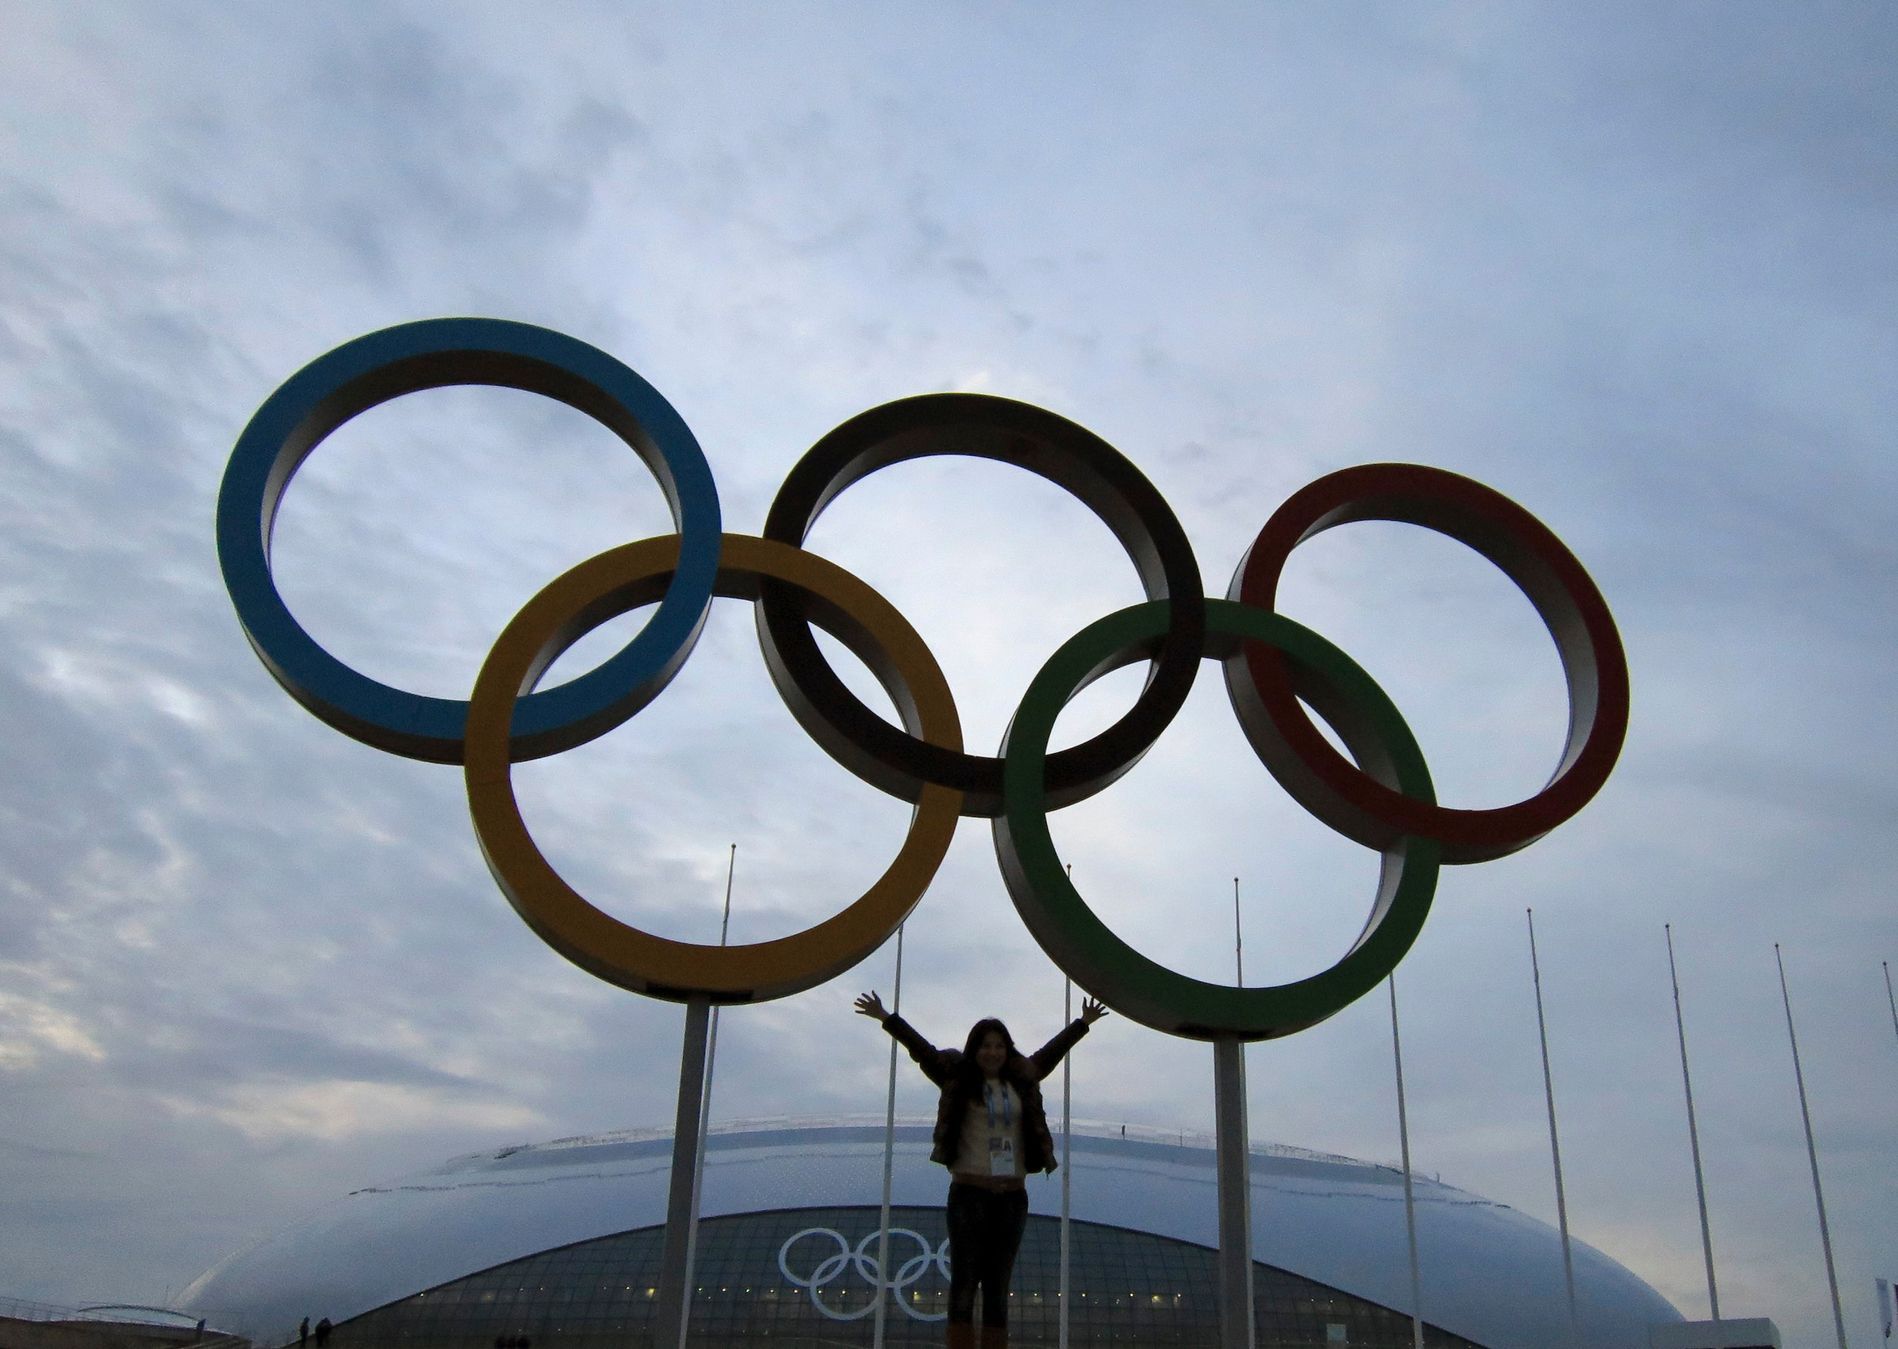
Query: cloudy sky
x=1633, y=266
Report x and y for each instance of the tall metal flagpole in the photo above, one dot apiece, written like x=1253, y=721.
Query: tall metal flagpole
x=1410, y=1202
x=1555, y=1144
x=1232, y=1146
x=1888, y=997
x=1812, y=1152
x=889, y=1157
x=705, y=1110
x=1239, y=979
x=1238, y=946
x=1693, y=1131
x=1067, y=1158
x=1067, y=1152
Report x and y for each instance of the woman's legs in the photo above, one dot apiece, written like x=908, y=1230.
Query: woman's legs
x=1008, y=1216
x=965, y=1252
x=985, y=1231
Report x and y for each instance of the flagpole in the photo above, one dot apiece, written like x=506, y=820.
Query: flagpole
x=1410, y=1203
x=1812, y=1152
x=1555, y=1144
x=1693, y=1131
x=889, y=1156
x=1232, y=1168
x=1067, y=1152
x=1888, y=997
x=1238, y=946
x=705, y=1110
x=1067, y=1160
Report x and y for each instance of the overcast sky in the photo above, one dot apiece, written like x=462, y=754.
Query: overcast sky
x=1633, y=266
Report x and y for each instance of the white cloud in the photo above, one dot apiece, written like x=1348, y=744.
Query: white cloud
x=332, y=1111
x=29, y=1029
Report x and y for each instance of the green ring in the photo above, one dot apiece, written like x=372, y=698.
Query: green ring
x=1348, y=699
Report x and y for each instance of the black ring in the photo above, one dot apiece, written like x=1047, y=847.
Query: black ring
x=1069, y=456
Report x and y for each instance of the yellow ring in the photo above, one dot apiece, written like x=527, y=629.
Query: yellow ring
x=611, y=584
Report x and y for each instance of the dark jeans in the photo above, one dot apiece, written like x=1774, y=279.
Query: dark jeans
x=985, y=1230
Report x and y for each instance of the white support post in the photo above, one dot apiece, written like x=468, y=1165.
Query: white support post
x=1235, y=1193
x=682, y=1199
x=705, y=1101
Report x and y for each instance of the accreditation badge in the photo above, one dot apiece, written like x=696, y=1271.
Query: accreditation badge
x=1001, y=1155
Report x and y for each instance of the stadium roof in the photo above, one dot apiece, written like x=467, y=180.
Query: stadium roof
x=1490, y=1274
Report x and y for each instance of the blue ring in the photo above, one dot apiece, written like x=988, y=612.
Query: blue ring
x=429, y=354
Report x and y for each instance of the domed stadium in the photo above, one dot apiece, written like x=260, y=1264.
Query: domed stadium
x=559, y=1244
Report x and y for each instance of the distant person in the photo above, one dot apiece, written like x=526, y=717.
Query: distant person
x=991, y=1132
x=322, y=1332
x=303, y=1333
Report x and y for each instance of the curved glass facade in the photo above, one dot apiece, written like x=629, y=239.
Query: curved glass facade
x=810, y=1277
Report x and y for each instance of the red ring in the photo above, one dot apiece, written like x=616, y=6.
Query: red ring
x=1593, y=662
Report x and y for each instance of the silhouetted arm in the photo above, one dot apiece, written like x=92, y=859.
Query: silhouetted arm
x=938, y=1065
x=1049, y=1055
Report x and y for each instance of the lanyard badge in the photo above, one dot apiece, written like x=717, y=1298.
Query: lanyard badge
x=1001, y=1140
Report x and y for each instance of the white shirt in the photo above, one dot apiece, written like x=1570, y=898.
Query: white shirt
x=991, y=1123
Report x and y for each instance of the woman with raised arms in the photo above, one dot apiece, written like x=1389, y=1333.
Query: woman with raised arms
x=991, y=1132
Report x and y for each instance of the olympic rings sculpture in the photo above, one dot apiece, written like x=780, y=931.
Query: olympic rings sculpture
x=828, y=1270
x=1380, y=796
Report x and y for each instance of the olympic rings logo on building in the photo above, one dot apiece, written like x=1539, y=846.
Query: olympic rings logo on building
x=1380, y=796
x=831, y=1269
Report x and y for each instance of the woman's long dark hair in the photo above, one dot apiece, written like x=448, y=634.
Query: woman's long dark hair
x=969, y=1072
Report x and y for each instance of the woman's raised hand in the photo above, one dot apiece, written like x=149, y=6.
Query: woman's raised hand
x=870, y=1005
x=1092, y=1010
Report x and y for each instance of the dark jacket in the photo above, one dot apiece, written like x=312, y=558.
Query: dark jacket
x=942, y=1066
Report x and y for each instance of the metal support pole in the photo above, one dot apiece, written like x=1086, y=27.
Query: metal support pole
x=1555, y=1144
x=1693, y=1132
x=1235, y=1193
x=889, y=1160
x=682, y=1199
x=705, y=1102
x=1410, y=1201
x=1812, y=1153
